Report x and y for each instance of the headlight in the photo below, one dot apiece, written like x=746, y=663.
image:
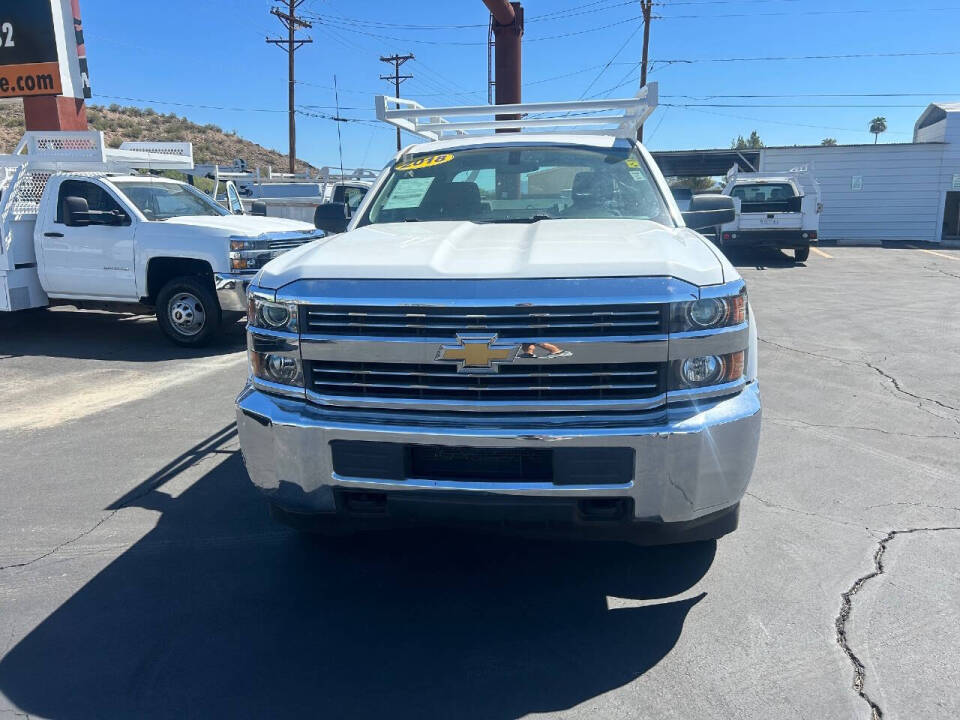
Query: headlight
x=271, y=315
x=709, y=313
x=696, y=372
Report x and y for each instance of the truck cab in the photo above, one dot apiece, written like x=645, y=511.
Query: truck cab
x=101, y=235
x=773, y=210
x=515, y=327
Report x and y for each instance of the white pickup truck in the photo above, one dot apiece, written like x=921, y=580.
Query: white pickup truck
x=773, y=210
x=79, y=228
x=521, y=329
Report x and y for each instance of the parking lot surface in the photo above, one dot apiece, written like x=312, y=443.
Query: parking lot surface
x=140, y=575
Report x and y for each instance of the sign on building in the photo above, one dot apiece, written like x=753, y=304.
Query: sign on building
x=956, y=182
x=856, y=182
x=29, y=58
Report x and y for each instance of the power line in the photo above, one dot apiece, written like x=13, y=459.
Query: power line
x=290, y=45
x=780, y=122
x=189, y=105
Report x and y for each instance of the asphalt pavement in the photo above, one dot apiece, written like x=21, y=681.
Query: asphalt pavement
x=140, y=575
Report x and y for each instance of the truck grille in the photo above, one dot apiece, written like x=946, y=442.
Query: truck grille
x=522, y=323
x=514, y=383
x=288, y=243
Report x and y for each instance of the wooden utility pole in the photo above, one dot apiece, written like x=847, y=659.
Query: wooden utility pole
x=646, y=6
x=397, y=78
x=288, y=18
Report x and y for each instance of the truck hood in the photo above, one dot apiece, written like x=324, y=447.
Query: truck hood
x=247, y=225
x=545, y=249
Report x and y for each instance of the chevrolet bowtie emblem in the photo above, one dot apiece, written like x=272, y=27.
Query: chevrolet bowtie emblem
x=478, y=353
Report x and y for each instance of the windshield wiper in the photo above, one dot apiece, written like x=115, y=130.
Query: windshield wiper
x=532, y=219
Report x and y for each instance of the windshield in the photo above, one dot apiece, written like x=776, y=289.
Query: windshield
x=164, y=200
x=519, y=184
x=763, y=192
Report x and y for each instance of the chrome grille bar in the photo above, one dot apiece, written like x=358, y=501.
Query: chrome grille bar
x=508, y=322
x=621, y=381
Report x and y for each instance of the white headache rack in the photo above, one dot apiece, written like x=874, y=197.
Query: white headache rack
x=86, y=151
x=621, y=117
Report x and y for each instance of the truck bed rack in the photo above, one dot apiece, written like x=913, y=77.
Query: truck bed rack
x=620, y=117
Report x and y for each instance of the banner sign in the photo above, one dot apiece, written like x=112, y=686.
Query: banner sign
x=29, y=61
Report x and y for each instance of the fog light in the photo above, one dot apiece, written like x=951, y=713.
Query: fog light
x=281, y=369
x=707, y=312
x=701, y=370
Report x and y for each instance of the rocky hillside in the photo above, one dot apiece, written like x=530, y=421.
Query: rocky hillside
x=210, y=143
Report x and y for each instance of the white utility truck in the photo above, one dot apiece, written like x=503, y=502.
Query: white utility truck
x=516, y=327
x=773, y=210
x=294, y=196
x=79, y=227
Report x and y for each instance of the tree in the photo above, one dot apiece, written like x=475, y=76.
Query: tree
x=829, y=141
x=696, y=184
x=877, y=126
x=751, y=143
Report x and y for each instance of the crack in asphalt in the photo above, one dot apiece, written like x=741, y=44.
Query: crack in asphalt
x=896, y=384
x=846, y=610
x=209, y=447
x=884, y=374
x=790, y=421
x=943, y=272
x=798, y=511
x=913, y=504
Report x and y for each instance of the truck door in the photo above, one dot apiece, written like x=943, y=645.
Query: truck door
x=92, y=257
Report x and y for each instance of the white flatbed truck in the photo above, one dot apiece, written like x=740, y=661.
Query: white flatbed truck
x=78, y=226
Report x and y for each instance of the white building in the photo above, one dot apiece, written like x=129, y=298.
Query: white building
x=888, y=191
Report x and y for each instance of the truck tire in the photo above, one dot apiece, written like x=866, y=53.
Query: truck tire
x=188, y=311
x=801, y=254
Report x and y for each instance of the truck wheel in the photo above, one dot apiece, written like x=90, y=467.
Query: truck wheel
x=801, y=254
x=188, y=311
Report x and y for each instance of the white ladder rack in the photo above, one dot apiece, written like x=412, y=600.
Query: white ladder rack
x=621, y=117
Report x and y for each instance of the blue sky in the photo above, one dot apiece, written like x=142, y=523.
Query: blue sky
x=212, y=53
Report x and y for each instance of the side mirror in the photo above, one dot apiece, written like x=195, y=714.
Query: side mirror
x=709, y=210
x=75, y=211
x=259, y=208
x=332, y=218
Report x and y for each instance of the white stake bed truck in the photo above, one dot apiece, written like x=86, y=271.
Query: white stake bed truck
x=773, y=210
x=78, y=227
x=515, y=328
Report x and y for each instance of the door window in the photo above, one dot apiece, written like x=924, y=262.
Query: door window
x=98, y=199
x=233, y=200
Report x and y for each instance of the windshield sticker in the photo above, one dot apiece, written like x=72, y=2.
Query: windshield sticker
x=408, y=193
x=632, y=162
x=424, y=162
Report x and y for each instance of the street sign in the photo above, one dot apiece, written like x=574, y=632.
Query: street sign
x=29, y=61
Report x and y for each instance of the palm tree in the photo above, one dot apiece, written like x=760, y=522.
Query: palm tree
x=829, y=141
x=877, y=126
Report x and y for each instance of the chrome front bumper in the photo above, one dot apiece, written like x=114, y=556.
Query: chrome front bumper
x=232, y=290
x=690, y=461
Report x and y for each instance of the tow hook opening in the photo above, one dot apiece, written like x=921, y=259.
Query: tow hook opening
x=603, y=509
x=365, y=503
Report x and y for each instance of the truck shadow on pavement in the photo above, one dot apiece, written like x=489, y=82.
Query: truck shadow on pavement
x=761, y=258
x=93, y=335
x=218, y=612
